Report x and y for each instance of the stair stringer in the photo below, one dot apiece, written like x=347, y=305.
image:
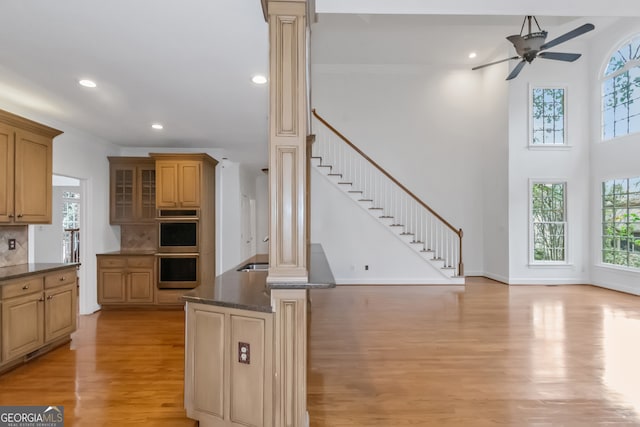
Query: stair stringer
x=396, y=260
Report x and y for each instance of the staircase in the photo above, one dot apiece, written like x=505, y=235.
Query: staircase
x=387, y=200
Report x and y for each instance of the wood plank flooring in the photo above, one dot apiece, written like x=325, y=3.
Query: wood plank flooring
x=123, y=368
x=483, y=355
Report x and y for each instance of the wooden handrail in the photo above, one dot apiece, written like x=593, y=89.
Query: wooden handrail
x=387, y=174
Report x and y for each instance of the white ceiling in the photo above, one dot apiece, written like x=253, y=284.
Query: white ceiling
x=188, y=63
x=185, y=63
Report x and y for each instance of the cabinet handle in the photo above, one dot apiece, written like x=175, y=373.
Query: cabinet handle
x=19, y=215
x=41, y=299
x=10, y=215
x=25, y=287
x=50, y=297
x=62, y=278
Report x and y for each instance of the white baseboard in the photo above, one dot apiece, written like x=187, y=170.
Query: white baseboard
x=498, y=277
x=620, y=288
x=547, y=282
x=399, y=281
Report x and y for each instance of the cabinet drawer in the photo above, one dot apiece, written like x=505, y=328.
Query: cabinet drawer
x=59, y=278
x=112, y=261
x=141, y=261
x=22, y=287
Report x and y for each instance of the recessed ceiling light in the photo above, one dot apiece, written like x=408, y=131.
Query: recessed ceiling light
x=259, y=79
x=87, y=83
x=472, y=55
x=157, y=126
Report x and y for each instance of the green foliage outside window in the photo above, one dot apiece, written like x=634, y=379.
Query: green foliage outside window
x=620, y=99
x=549, y=222
x=621, y=222
x=548, y=116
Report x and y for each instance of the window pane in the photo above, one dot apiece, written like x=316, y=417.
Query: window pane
x=621, y=222
x=547, y=111
x=548, y=214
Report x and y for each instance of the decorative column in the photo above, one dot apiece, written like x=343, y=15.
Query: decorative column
x=288, y=209
x=287, y=141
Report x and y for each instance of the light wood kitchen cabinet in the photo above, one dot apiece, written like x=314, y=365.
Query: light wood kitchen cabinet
x=25, y=170
x=178, y=184
x=223, y=388
x=38, y=310
x=126, y=279
x=132, y=190
x=23, y=324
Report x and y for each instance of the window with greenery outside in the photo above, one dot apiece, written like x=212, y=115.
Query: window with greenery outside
x=620, y=95
x=548, y=222
x=621, y=222
x=547, y=111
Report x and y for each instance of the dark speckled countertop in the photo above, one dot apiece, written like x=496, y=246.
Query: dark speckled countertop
x=250, y=291
x=17, y=271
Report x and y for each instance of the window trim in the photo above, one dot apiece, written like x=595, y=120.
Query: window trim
x=541, y=263
x=565, y=119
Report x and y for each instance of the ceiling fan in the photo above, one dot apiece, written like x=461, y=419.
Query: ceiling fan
x=531, y=46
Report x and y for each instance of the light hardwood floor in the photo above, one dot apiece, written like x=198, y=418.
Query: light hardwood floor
x=483, y=355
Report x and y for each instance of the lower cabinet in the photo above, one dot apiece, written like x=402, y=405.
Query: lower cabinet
x=228, y=366
x=126, y=279
x=37, y=311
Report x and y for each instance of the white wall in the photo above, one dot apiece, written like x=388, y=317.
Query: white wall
x=609, y=159
x=570, y=165
x=428, y=128
x=495, y=176
x=262, y=213
x=352, y=239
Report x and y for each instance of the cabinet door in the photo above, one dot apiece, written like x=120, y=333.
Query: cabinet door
x=189, y=184
x=122, y=208
x=32, y=178
x=22, y=325
x=140, y=286
x=146, y=200
x=60, y=311
x=111, y=285
x=6, y=173
x=205, y=365
x=166, y=184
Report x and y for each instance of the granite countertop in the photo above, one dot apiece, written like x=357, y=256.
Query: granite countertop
x=250, y=290
x=17, y=271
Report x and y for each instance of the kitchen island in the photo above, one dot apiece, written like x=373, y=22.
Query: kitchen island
x=245, y=355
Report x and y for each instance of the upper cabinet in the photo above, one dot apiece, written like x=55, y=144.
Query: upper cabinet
x=26, y=149
x=133, y=190
x=179, y=180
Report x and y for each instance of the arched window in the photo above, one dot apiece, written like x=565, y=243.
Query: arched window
x=621, y=92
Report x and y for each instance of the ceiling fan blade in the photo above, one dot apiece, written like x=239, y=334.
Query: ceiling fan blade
x=514, y=73
x=495, y=62
x=559, y=56
x=568, y=36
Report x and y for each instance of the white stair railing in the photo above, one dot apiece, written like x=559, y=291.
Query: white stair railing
x=392, y=200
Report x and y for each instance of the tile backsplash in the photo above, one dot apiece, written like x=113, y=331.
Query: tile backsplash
x=139, y=237
x=20, y=255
